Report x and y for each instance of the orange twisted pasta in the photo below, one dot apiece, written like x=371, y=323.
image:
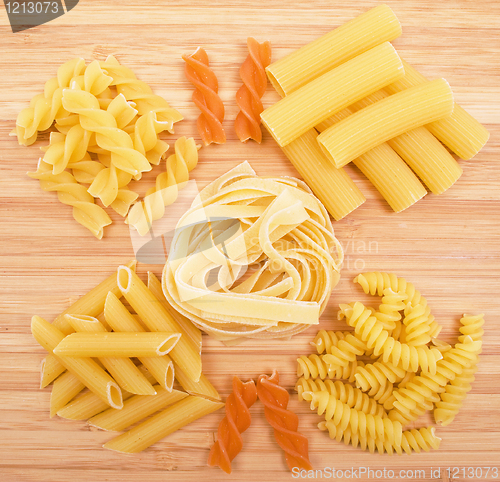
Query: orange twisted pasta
x=253, y=75
x=206, y=97
x=284, y=422
x=237, y=420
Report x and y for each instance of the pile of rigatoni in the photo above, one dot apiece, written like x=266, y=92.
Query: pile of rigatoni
x=128, y=362
x=348, y=96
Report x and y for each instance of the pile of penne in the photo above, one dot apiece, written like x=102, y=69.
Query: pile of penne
x=348, y=96
x=127, y=361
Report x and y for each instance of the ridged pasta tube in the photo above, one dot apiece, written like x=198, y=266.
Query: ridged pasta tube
x=167, y=186
x=69, y=192
x=253, y=75
x=353, y=397
x=140, y=93
x=343, y=416
x=372, y=332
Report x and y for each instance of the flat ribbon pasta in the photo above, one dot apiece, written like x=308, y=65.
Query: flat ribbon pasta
x=253, y=257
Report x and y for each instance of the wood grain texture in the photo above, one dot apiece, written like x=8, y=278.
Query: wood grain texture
x=447, y=245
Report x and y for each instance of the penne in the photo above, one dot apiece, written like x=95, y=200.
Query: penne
x=314, y=102
x=89, y=404
x=157, y=318
x=85, y=369
x=463, y=134
x=92, y=303
x=162, y=424
x=117, y=344
x=50, y=369
x=135, y=409
x=385, y=120
x=201, y=388
x=186, y=325
x=122, y=369
x=120, y=320
x=332, y=186
x=65, y=388
x=364, y=32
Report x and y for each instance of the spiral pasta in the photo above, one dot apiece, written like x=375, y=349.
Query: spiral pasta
x=237, y=221
x=388, y=311
x=69, y=192
x=229, y=442
x=206, y=97
x=417, y=321
x=418, y=440
x=346, y=393
x=326, y=340
x=313, y=366
x=253, y=75
x=167, y=186
x=371, y=331
x=365, y=425
x=373, y=377
x=472, y=325
x=284, y=422
x=346, y=351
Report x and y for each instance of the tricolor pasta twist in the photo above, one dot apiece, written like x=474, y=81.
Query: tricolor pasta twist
x=167, y=186
x=69, y=192
x=140, y=93
x=253, y=75
x=206, y=97
x=353, y=397
x=237, y=420
x=284, y=422
x=372, y=332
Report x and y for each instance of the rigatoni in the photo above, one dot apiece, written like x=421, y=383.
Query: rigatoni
x=332, y=186
x=117, y=344
x=366, y=31
x=162, y=424
x=86, y=369
x=463, y=134
x=136, y=409
x=386, y=119
x=303, y=109
x=157, y=318
x=123, y=369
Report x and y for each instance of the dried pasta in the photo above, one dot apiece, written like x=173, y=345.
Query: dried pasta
x=166, y=188
x=50, y=369
x=229, y=441
x=64, y=389
x=206, y=97
x=332, y=186
x=300, y=111
x=298, y=254
x=385, y=120
x=253, y=75
x=284, y=422
x=162, y=424
x=366, y=31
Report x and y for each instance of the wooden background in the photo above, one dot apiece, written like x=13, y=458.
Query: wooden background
x=447, y=245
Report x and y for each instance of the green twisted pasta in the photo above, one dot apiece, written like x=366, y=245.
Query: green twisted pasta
x=365, y=425
x=167, y=186
x=69, y=192
x=370, y=330
x=140, y=93
x=346, y=393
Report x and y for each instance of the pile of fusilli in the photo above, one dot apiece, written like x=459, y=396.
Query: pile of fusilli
x=107, y=125
x=409, y=370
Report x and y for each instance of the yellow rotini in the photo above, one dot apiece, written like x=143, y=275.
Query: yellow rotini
x=166, y=188
x=372, y=332
x=300, y=111
x=364, y=32
x=69, y=192
x=373, y=376
x=386, y=119
x=312, y=366
x=325, y=341
x=388, y=311
x=472, y=325
x=344, y=392
x=346, y=351
x=417, y=321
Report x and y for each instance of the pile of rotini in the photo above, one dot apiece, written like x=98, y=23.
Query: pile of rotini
x=407, y=370
x=107, y=124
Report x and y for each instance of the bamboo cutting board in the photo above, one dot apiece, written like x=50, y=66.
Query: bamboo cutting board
x=447, y=245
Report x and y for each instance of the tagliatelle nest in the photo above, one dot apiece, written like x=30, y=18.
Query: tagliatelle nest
x=253, y=257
